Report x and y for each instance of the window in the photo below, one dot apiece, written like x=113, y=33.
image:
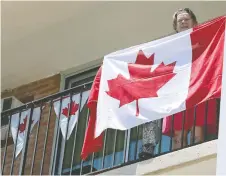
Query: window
x=119, y=146
x=114, y=150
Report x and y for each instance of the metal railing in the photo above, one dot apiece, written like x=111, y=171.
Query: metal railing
x=45, y=151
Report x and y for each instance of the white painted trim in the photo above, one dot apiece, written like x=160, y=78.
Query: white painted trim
x=221, y=150
x=168, y=160
x=76, y=70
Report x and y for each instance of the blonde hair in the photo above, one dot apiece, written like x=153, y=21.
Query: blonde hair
x=187, y=10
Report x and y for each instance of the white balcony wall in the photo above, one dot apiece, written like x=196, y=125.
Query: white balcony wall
x=195, y=160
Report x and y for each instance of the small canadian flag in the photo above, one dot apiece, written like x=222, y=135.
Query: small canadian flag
x=74, y=109
x=20, y=127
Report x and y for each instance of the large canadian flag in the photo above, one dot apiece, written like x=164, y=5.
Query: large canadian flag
x=74, y=109
x=156, y=79
x=18, y=128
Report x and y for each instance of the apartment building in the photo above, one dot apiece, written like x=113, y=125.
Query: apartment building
x=54, y=49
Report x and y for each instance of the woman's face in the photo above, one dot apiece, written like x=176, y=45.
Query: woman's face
x=184, y=21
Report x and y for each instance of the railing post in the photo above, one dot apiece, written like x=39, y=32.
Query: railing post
x=25, y=147
x=46, y=136
x=36, y=140
x=6, y=144
x=127, y=143
x=55, y=141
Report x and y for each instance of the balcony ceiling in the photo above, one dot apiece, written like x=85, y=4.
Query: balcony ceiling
x=40, y=38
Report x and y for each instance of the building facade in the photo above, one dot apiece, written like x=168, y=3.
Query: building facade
x=54, y=49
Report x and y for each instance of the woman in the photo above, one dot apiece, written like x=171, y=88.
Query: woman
x=185, y=19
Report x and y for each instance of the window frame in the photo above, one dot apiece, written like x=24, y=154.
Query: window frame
x=69, y=77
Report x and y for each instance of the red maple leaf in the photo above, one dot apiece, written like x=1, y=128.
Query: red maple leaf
x=74, y=108
x=22, y=126
x=143, y=82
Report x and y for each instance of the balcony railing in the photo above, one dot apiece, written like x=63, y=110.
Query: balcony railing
x=45, y=151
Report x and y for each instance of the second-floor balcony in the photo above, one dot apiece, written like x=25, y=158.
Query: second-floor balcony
x=69, y=40
x=45, y=151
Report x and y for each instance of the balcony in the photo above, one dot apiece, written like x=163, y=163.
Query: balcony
x=46, y=152
x=68, y=42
